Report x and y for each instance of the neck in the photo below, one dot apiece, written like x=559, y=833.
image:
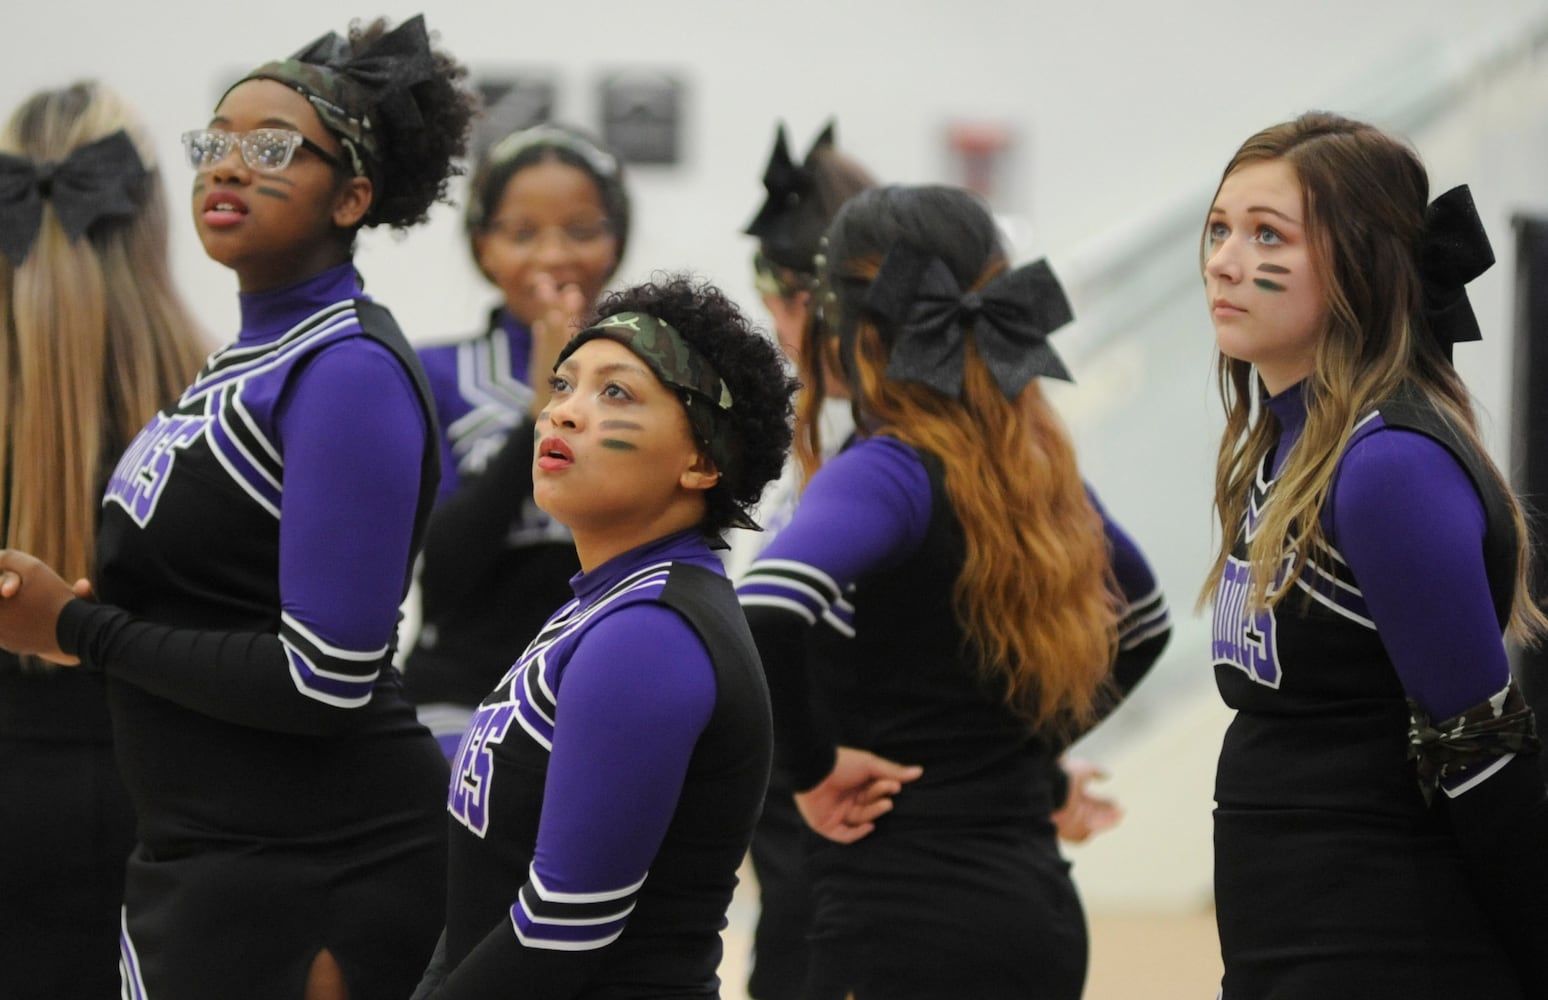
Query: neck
x=266, y=276
x=268, y=314
x=596, y=544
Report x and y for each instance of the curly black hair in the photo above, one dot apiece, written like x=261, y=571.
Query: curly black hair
x=417, y=164
x=749, y=363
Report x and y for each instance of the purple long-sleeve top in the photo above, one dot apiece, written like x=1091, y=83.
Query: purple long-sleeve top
x=1407, y=520
x=867, y=511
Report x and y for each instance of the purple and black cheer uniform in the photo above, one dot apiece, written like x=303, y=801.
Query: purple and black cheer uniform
x=960, y=891
x=494, y=566
x=256, y=541
x=606, y=790
x=1334, y=877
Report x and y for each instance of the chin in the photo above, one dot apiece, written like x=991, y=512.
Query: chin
x=547, y=500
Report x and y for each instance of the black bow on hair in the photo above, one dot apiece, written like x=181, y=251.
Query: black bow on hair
x=99, y=180
x=385, y=70
x=789, y=223
x=1452, y=252
x=923, y=311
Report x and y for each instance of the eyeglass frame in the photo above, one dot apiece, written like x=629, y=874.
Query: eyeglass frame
x=296, y=139
x=510, y=231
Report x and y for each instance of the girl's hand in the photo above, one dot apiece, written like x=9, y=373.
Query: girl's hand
x=844, y=806
x=1083, y=814
x=31, y=597
x=558, y=321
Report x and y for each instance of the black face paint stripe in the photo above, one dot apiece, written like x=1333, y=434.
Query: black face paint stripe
x=1266, y=284
x=621, y=425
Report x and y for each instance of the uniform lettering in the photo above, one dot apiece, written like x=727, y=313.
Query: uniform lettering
x=142, y=473
x=1243, y=637
x=469, y=799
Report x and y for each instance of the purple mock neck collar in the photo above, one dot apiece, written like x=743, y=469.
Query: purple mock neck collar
x=1289, y=407
x=267, y=315
x=680, y=546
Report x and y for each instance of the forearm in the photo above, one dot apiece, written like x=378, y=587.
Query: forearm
x=246, y=678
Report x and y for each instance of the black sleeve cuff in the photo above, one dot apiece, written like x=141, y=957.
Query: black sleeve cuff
x=73, y=628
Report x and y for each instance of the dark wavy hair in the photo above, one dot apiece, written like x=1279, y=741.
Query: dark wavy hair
x=417, y=164
x=1034, y=597
x=748, y=362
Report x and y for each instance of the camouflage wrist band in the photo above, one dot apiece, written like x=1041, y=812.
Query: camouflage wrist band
x=1502, y=725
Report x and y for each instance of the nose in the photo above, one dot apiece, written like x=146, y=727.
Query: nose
x=1221, y=261
x=230, y=166
x=552, y=247
x=562, y=411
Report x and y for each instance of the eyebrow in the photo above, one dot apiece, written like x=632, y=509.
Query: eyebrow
x=611, y=368
x=270, y=122
x=1261, y=209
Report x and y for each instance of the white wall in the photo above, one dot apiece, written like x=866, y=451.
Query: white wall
x=1120, y=106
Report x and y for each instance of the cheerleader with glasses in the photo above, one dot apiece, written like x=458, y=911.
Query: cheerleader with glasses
x=256, y=540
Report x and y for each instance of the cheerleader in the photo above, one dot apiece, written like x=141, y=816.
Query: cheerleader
x=1380, y=814
x=256, y=540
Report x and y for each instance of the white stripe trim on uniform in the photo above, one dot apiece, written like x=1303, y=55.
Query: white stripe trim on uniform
x=232, y=472
x=605, y=896
x=1331, y=604
x=782, y=603
x=800, y=569
x=292, y=654
x=838, y=624
x=327, y=648
x=130, y=979
x=279, y=352
x=1474, y=780
x=240, y=409
x=485, y=375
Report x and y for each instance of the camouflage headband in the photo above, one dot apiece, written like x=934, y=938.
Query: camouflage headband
x=680, y=366
x=358, y=94
x=605, y=164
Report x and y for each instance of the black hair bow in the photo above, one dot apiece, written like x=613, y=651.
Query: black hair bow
x=385, y=70
x=99, y=180
x=924, y=313
x=1452, y=252
x=790, y=221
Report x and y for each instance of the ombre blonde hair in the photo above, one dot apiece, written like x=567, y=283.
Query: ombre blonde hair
x=1035, y=598
x=1365, y=195
x=95, y=338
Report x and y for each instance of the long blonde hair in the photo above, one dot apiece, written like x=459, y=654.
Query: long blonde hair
x=95, y=338
x=1035, y=597
x=1365, y=195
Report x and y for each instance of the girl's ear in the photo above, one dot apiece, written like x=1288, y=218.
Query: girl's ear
x=701, y=475
x=353, y=202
